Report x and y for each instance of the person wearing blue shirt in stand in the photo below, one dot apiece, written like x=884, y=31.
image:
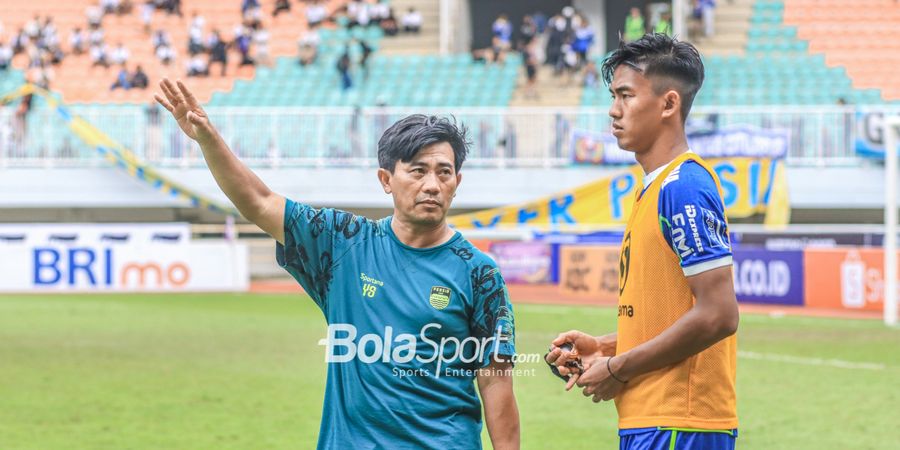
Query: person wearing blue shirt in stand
x=416, y=314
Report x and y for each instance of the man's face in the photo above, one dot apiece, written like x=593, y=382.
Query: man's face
x=424, y=187
x=636, y=111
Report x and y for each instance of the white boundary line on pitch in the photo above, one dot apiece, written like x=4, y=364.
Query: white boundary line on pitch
x=811, y=361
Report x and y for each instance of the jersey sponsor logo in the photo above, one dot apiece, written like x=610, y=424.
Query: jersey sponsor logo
x=440, y=297
x=370, y=285
x=624, y=262
x=679, y=232
x=344, y=344
x=716, y=230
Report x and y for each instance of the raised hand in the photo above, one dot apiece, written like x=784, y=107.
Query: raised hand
x=186, y=109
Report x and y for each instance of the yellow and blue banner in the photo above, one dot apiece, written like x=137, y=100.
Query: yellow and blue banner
x=750, y=186
x=116, y=154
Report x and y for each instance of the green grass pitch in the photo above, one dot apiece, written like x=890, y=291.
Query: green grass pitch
x=244, y=371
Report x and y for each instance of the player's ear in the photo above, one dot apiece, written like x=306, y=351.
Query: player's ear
x=672, y=104
x=384, y=177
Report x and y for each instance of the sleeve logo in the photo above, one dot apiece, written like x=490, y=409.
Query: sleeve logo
x=716, y=231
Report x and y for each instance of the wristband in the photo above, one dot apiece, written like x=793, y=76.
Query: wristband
x=611, y=372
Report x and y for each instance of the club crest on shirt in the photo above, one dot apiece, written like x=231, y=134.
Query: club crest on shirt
x=440, y=297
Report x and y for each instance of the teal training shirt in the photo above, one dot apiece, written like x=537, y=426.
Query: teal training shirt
x=407, y=330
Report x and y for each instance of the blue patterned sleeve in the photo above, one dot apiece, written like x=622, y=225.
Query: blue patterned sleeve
x=312, y=238
x=492, y=319
x=692, y=219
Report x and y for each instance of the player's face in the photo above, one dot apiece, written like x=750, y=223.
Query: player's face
x=636, y=110
x=424, y=187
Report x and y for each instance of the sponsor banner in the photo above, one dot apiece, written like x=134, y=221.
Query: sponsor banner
x=848, y=278
x=772, y=277
x=523, y=262
x=734, y=141
x=118, y=268
x=590, y=271
x=870, y=134
x=91, y=234
x=748, y=187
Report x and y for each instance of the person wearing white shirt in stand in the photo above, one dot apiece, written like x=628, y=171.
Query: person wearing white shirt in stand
x=315, y=14
x=197, y=66
x=147, y=10
x=165, y=53
x=99, y=54
x=119, y=55
x=412, y=21
x=94, y=15
x=261, y=43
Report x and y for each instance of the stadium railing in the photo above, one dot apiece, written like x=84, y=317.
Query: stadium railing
x=325, y=137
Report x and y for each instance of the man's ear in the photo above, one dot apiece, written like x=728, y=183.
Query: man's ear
x=672, y=105
x=384, y=177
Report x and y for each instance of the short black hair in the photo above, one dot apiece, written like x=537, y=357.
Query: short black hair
x=412, y=133
x=663, y=56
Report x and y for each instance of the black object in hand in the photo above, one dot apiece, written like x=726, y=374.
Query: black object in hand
x=573, y=364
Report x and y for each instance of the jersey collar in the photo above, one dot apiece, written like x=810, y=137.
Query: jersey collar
x=648, y=178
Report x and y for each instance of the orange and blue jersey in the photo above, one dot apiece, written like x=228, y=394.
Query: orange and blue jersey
x=677, y=229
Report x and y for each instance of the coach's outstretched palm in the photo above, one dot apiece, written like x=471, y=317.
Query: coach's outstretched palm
x=186, y=109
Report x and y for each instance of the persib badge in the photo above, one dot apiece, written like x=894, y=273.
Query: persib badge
x=440, y=297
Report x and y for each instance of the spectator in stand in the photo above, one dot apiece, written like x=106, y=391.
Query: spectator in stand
x=99, y=55
x=20, y=41
x=161, y=38
x=555, y=39
x=197, y=66
x=96, y=36
x=281, y=6
x=77, y=41
x=197, y=21
x=33, y=28
x=359, y=14
x=165, y=53
x=389, y=24
x=195, y=40
x=261, y=38
x=122, y=81
x=529, y=58
x=412, y=21
x=48, y=36
x=528, y=31
x=109, y=6
x=502, y=31
x=664, y=24
x=634, y=25
x=583, y=36
x=147, y=10
x=218, y=51
x=708, y=14
x=365, y=52
x=242, y=42
x=343, y=66
x=119, y=55
x=94, y=16
x=315, y=14
x=247, y=5
x=380, y=10
x=6, y=56
x=308, y=47
x=139, y=79
x=173, y=7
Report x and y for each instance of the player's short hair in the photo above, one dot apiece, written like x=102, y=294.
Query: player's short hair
x=407, y=136
x=668, y=62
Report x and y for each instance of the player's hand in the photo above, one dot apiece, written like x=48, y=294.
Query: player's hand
x=584, y=347
x=597, y=382
x=186, y=109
